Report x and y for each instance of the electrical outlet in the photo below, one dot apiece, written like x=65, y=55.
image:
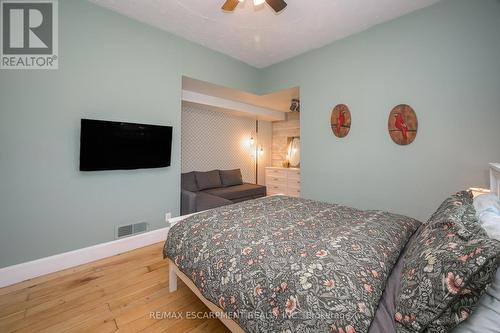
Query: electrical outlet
x=168, y=216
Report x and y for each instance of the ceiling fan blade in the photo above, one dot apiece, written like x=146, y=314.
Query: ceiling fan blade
x=230, y=5
x=277, y=5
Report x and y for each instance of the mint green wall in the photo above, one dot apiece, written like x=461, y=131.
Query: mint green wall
x=111, y=67
x=444, y=61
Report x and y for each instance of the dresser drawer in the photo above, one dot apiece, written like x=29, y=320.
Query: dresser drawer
x=276, y=173
x=283, y=181
x=293, y=174
x=293, y=192
x=276, y=189
x=275, y=180
x=293, y=183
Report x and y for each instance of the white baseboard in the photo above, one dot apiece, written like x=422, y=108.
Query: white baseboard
x=17, y=273
x=174, y=220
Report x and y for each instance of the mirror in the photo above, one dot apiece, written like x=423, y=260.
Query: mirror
x=294, y=151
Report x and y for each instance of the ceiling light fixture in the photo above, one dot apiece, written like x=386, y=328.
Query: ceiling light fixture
x=277, y=5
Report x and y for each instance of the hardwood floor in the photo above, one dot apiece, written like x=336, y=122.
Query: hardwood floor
x=116, y=294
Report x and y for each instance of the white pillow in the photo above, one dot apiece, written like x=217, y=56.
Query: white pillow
x=486, y=203
x=488, y=213
x=491, y=223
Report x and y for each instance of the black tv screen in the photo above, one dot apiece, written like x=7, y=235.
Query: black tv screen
x=109, y=145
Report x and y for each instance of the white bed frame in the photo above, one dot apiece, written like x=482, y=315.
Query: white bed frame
x=495, y=178
x=232, y=325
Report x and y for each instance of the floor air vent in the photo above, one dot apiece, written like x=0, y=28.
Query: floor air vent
x=131, y=229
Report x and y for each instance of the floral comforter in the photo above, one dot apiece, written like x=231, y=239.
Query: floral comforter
x=282, y=264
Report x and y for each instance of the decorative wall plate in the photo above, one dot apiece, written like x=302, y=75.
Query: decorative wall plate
x=341, y=120
x=403, y=124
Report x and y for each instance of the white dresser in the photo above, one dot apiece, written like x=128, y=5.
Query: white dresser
x=283, y=181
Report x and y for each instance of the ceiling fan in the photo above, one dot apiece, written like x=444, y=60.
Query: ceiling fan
x=277, y=5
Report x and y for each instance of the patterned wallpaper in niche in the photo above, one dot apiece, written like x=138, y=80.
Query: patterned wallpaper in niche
x=216, y=140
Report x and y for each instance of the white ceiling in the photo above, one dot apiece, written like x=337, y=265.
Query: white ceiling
x=257, y=35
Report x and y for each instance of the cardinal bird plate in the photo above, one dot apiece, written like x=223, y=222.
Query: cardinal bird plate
x=403, y=124
x=341, y=120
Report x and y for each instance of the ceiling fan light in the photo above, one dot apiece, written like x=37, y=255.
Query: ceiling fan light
x=258, y=2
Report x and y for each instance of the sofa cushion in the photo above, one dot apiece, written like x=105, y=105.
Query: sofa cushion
x=231, y=177
x=206, y=201
x=209, y=179
x=239, y=191
x=188, y=182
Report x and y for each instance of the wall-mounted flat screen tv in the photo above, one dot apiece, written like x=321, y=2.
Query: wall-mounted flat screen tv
x=109, y=145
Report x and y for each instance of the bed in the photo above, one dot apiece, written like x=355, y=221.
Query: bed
x=282, y=264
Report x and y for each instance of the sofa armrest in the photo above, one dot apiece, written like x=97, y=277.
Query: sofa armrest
x=188, y=202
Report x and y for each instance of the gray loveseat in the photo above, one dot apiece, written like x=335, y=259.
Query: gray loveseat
x=207, y=190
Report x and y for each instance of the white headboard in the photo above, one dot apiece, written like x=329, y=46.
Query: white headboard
x=495, y=178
